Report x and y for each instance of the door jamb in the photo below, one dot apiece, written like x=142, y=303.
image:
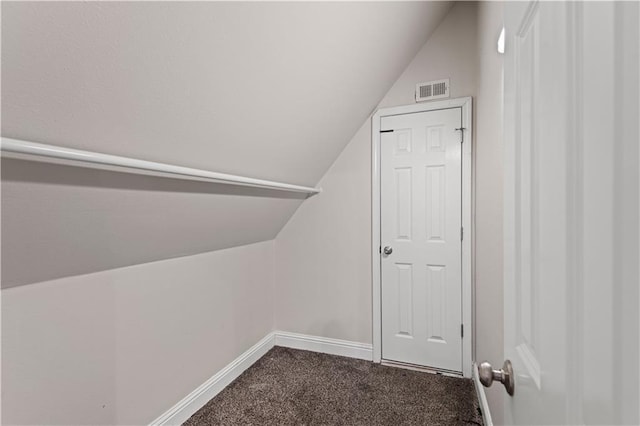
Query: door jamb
x=467, y=285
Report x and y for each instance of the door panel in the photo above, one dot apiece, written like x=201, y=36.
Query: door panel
x=421, y=222
x=565, y=275
x=536, y=207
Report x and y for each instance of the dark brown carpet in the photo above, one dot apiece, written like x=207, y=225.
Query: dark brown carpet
x=292, y=387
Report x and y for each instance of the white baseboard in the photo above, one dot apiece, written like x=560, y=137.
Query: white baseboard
x=188, y=406
x=482, y=397
x=324, y=345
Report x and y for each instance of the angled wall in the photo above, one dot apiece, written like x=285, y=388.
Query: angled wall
x=265, y=90
x=323, y=260
x=121, y=347
x=91, y=333
x=60, y=221
x=323, y=267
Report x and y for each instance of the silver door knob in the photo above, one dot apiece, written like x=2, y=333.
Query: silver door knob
x=487, y=375
x=387, y=250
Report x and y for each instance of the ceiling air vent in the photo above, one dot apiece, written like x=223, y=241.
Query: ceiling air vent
x=432, y=90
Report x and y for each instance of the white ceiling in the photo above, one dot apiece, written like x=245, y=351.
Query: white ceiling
x=267, y=90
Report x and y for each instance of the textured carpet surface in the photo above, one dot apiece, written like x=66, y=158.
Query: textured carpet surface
x=293, y=387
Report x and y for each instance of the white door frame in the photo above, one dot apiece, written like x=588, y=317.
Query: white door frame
x=465, y=105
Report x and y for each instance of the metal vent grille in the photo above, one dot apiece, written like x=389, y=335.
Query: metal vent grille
x=432, y=90
x=425, y=91
x=439, y=89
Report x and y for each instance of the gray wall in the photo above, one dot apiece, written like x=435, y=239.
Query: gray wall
x=323, y=262
x=123, y=346
x=323, y=266
x=219, y=86
x=60, y=221
x=265, y=90
x=126, y=344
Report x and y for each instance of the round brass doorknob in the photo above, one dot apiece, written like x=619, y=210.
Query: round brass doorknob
x=487, y=375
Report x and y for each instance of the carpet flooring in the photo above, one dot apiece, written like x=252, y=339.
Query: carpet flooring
x=293, y=387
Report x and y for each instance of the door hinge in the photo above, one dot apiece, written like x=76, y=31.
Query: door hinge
x=461, y=129
x=461, y=330
x=386, y=131
x=461, y=233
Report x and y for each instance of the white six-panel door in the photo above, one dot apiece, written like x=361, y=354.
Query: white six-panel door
x=571, y=212
x=421, y=220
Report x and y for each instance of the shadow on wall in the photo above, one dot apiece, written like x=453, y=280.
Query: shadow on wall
x=14, y=170
x=60, y=220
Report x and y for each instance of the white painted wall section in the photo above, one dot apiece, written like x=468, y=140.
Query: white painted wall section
x=323, y=261
x=122, y=346
x=139, y=339
x=323, y=281
x=450, y=53
x=266, y=90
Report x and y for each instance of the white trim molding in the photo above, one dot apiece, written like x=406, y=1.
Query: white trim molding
x=191, y=403
x=482, y=398
x=467, y=210
x=324, y=345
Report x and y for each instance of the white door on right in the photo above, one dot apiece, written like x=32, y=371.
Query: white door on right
x=571, y=212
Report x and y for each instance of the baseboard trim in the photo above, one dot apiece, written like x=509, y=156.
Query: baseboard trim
x=482, y=397
x=190, y=404
x=324, y=345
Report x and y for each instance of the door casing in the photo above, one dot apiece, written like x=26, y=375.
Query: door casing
x=467, y=210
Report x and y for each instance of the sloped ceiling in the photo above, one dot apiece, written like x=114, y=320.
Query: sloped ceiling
x=267, y=90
